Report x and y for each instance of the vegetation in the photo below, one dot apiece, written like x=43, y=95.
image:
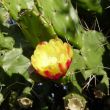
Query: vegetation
x=83, y=24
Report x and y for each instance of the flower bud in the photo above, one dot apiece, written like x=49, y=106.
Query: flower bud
x=52, y=59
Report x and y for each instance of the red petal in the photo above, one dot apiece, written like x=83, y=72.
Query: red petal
x=54, y=77
x=57, y=76
x=68, y=63
x=62, y=69
x=48, y=74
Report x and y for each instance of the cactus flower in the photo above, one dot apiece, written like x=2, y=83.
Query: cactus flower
x=52, y=59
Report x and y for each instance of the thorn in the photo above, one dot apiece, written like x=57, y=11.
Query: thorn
x=107, y=7
x=85, y=25
x=88, y=83
x=98, y=24
x=94, y=25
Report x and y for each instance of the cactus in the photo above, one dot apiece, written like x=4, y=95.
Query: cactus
x=40, y=23
x=89, y=5
x=63, y=18
x=84, y=62
x=29, y=19
x=11, y=58
x=92, y=47
x=42, y=20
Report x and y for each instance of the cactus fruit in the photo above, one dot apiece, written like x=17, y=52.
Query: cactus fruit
x=74, y=102
x=52, y=59
x=25, y=100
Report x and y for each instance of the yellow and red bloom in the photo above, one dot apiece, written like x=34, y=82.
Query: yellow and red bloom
x=52, y=59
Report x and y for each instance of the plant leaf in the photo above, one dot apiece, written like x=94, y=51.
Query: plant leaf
x=6, y=42
x=77, y=62
x=92, y=49
x=14, y=62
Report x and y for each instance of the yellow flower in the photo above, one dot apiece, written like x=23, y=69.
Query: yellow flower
x=52, y=59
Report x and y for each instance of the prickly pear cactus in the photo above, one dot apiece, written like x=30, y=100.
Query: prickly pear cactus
x=10, y=56
x=42, y=20
x=46, y=19
x=92, y=47
x=88, y=60
x=62, y=16
x=30, y=20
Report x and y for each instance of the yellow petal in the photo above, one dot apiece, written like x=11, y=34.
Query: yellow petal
x=52, y=59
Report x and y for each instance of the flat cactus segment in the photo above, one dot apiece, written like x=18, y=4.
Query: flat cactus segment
x=90, y=5
x=35, y=29
x=88, y=60
x=62, y=16
x=11, y=59
x=78, y=62
x=32, y=23
x=93, y=48
x=14, y=62
x=41, y=20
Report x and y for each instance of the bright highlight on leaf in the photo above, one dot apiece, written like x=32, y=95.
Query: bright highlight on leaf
x=52, y=59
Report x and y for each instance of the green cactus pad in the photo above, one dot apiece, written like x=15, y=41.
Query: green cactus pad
x=92, y=48
x=62, y=16
x=89, y=5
